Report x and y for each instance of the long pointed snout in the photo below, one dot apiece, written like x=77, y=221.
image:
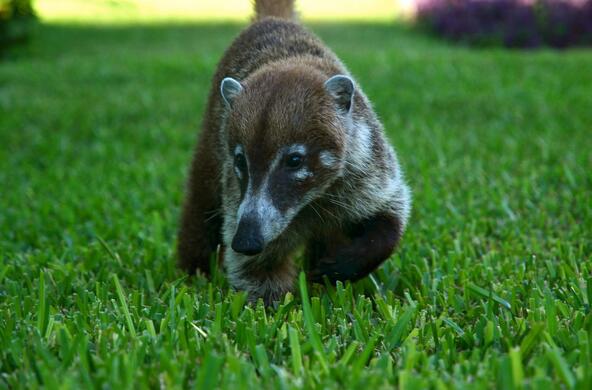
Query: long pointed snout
x=248, y=238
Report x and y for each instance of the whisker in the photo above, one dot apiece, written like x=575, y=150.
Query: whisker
x=317, y=213
x=345, y=206
x=328, y=212
x=214, y=213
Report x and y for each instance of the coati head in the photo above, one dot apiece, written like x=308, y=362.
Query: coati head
x=286, y=132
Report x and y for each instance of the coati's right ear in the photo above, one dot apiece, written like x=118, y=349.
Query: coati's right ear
x=230, y=89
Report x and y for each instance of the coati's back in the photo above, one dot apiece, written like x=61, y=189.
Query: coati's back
x=273, y=36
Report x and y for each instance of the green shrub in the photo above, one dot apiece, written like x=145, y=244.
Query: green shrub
x=16, y=19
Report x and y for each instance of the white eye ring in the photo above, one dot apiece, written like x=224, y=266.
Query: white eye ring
x=239, y=163
x=302, y=174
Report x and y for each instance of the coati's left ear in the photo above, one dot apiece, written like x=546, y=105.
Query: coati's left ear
x=230, y=89
x=341, y=88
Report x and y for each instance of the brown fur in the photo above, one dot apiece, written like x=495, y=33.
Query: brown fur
x=278, y=8
x=262, y=44
x=283, y=68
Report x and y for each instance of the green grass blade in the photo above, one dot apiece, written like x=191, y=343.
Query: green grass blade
x=310, y=323
x=517, y=370
x=108, y=249
x=349, y=353
x=295, y=350
x=489, y=294
x=361, y=361
x=454, y=326
x=210, y=372
x=43, y=308
x=530, y=341
x=395, y=337
x=124, y=307
x=561, y=366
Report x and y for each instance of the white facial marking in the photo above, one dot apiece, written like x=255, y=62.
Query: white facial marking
x=327, y=159
x=273, y=219
x=238, y=173
x=363, y=134
x=378, y=190
x=360, y=148
x=238, y=150
x=297, y=148
x=302, y=174
x=260, y=204
x=263, y=208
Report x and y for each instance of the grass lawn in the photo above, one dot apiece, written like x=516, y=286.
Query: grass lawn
x=492, y=283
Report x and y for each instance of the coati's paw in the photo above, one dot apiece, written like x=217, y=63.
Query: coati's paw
x=339, y=267
x=270, y=297
x=316, y=273
x=195, y=265
x=269, y=300
x=195, y=262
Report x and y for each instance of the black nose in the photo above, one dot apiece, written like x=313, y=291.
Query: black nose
x=248, y=239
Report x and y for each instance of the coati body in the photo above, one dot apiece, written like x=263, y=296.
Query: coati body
x=290, y=155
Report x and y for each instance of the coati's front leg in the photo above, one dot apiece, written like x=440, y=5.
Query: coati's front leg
x=358, y=252
x=201, y=220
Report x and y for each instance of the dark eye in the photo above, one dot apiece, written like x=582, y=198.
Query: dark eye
x=294, y=160
x=240, y=162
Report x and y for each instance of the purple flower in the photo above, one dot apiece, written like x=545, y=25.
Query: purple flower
x=512, y=23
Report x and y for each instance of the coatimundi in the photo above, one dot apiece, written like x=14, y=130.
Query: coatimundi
x=291, y=155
